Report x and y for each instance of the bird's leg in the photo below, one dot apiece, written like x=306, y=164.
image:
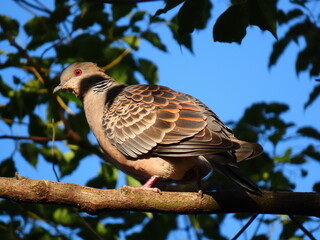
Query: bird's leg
x=146, y=186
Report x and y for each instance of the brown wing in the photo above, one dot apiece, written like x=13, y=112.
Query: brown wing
x=157, y=120
x=245, y=151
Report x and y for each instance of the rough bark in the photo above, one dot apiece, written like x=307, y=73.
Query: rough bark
x=93, y=201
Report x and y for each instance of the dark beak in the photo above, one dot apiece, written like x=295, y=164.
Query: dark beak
x=57, y=88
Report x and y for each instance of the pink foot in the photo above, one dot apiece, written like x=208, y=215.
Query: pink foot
x=146, y=186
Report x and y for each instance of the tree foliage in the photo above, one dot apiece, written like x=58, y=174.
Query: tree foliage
x=55, y=127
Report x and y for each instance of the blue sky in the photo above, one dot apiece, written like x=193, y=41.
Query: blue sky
x=227, y=77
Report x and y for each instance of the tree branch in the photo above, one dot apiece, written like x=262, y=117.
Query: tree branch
x=33, y=138
x=93, y=201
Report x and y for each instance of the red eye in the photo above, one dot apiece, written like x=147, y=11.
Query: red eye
x=77, y=72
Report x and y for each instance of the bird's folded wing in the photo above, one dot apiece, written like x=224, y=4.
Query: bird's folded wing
x=159, y=121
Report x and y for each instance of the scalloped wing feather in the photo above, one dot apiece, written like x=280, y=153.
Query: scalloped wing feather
x=157, y=120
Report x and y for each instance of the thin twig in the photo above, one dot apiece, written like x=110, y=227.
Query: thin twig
x=33, y=6
x=53, y=45
x=33, y=138
x=43, y=6
x=245, y=226
x=303, y=229
x=117, y=60
x=87, y=225
x=258, y=226
x=52, y=150
x=64, y=106
x=25, y=8
x=30, y=61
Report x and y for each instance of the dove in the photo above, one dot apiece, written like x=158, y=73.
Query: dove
x=156, y=134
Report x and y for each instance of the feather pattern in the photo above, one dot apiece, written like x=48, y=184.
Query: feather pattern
x=157, y=120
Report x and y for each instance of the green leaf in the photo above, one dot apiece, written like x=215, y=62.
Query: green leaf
x=7, y=168
x=277, y=108
x=107, y=178
x=87, y=19
x=304, y=59
x=17, y=106
x=316, y=187
x=309, y=132
x=84, y=47
x=61, y=11
x=260, y=237
x=279, y=181
x=300, y=29
x=90, y=6
x=157, y=228
x=210, y=225
x=313, y=96
x=232, y=24
x=79, y=124
x=30, y=152
x=277, y=136
x=278, y=49
x=121, y=10
x=137, y=16
x=149, y=70
x=287, y=17
x=102, y=229
x=170, y=4
x=64, y=216
x=154, y=39
x=9, y=25
x=298, y=159
x=132, y=40
x=42, y=30
x=124, y=71
x=242, y=216
x=71, y=97
x=289, y=230
x=5, y=89
x=110, y=174
x=304, y=173
x=52, y=112
x=184, y=40
x=37, y=127
x=311, y=152
x=263, y=13
x=69, y=160
x=193, y=14
x=132, y=181
x=286, y=156
x=51, y=155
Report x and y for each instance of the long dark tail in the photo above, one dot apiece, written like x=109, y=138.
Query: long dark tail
x=230, y=169
x=237, y=176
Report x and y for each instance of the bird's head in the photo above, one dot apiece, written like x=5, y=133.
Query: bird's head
x=79, y=77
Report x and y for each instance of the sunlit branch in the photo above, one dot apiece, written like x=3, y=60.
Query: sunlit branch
x=94, y=200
